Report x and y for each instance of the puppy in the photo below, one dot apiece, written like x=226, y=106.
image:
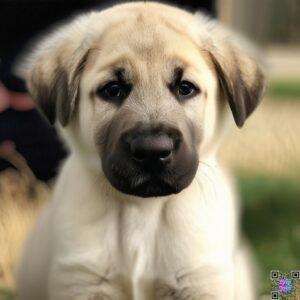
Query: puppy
x=143, y=93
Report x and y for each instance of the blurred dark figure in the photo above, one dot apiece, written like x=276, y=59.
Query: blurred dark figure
x=20, y=123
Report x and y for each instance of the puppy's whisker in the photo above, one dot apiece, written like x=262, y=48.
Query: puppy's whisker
x=209, y=176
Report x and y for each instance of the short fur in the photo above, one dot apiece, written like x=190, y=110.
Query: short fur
x=95, y=242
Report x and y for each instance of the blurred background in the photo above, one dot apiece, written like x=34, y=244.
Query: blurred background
x=264, y=156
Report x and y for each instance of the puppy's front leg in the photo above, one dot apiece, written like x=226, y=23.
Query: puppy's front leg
x=78, y=284
x=205, y=283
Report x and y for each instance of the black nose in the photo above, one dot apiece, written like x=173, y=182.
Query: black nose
x=152, y=147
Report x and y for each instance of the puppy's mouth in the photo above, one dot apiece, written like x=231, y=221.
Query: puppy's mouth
x=155, y=180
x=143, y=183
x=150, y=163
x=154, y=187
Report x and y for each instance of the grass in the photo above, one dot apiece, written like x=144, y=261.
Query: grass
x=6, y=294
x=283, y=89
x=20, y=202
x=270, y=220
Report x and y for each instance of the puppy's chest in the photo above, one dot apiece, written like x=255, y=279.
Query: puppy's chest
x=140, y=237
x=135, y=256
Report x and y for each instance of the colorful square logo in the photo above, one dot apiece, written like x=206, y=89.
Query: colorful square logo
x=285, y=285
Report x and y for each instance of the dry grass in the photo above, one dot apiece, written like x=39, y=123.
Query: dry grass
x=19, y=205
x=269, y=143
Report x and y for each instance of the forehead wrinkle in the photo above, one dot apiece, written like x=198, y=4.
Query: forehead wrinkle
x=112, y=64
x=181, y=62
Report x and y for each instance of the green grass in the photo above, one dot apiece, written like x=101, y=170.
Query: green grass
x=284, y=89
x=271, y=221
x=7, y=295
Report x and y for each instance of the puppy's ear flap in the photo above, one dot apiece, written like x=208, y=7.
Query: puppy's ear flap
x=55, y=87
x=53, y=73
x=241, y=79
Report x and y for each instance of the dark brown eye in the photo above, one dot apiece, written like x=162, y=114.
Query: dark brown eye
x=187, y=89
x=114, y=91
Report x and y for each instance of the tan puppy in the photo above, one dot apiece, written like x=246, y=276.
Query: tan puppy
x=141, y=210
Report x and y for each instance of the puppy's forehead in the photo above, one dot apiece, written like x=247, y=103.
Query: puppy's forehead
x=148, y=38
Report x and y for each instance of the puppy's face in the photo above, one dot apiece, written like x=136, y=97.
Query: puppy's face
x=147, y=94
x=143, y=92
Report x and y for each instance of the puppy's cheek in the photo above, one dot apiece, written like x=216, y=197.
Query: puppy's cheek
x=83, y=122
x=103, y=144
x=186, y=165
x=194, y=134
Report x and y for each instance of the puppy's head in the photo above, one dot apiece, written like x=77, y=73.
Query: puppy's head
x=142, y=88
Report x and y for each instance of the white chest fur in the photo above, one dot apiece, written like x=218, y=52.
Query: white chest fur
x=136, y=248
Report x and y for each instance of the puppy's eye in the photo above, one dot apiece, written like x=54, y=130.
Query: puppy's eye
x=114, y=91
x=186, y=89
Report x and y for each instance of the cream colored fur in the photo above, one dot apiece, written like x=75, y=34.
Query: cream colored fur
x=95, y=243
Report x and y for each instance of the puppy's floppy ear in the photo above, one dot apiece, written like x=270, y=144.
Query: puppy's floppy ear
x=53, y=72
x=55, y=88
x=241, y=79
